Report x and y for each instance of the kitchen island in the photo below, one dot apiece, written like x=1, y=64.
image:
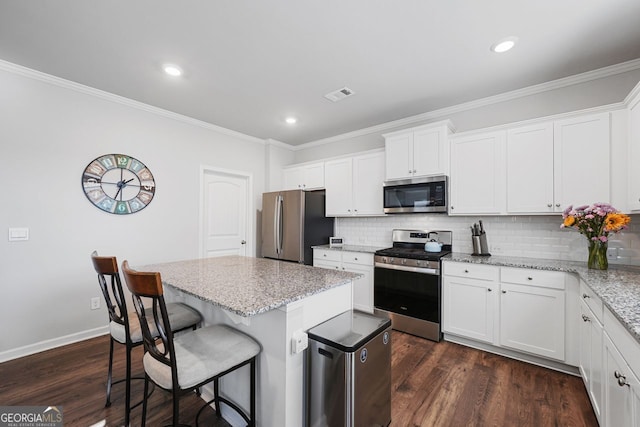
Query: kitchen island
x=272, y=301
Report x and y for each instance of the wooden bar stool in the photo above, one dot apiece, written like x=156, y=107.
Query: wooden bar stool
x=190, y=360
x=124, y=327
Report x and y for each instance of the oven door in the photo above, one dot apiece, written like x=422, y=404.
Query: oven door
x=408, y=293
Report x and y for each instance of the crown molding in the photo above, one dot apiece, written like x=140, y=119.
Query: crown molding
x=280, y=144
x=87, y=90
x=495, y=99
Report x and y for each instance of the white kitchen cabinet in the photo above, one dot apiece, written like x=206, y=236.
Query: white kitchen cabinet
x=470, y=298
x=354, y=262
x=622, y=389
x=591, y=351
x=477, y=181
x=530, y=169
x=621, y=373
x=304, y=177
x=582, y=151
x=514, y=308
x=532, y=311
x=633, y=199
x=354, y=185
x=419, y=151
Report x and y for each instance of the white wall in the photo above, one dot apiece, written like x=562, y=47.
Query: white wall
x=48, y=134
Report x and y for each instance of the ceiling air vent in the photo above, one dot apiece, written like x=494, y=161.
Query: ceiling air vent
x=339, y=94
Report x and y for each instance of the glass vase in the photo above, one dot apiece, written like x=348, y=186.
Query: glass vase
x=598, y=255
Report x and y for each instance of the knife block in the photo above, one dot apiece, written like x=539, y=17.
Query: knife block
x=480, y=245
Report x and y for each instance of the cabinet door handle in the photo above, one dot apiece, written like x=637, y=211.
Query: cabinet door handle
x=622, y=380
x=409, y=170
x=489, y=289
x=504, y=292
x=557, y=205
x=586, y=318
x=549, y=205
x=451, y=207
x=585, y=296
x=466, y=271
x=356, y=258
x=414, y=171
x=529, y=278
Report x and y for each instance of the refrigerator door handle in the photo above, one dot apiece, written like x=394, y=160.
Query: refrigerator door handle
x=278, y=224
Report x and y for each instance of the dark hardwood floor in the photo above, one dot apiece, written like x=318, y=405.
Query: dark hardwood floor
x=433, y=384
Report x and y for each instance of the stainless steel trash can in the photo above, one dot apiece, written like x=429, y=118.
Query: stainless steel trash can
x=350, y=371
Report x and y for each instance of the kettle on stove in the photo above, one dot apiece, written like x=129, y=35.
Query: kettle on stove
x=433, y=246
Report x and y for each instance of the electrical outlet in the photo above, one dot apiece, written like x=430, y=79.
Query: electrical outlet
x=95, y=303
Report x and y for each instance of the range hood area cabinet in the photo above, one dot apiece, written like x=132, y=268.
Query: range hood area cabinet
x=533, y=169
x=419, y=151
x=354, y=185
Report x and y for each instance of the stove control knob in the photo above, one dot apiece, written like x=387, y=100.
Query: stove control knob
x=418, y=263
x=404, y=262
x=391, y=261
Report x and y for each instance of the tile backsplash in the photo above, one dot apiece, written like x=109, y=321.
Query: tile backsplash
x=523, y=236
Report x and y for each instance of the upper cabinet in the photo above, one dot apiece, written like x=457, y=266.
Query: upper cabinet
x=633, y=199
x=530, y=169
x=354, y=185
x=304, y=177
x=582, y=153
x=419, y=151
x=550, y=165
x=477, y=182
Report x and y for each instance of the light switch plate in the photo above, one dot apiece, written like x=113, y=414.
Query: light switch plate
x=18, y=234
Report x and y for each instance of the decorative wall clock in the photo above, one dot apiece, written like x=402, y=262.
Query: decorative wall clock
x=118, y=184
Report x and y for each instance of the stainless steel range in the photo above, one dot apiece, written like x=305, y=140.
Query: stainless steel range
x=407, y=284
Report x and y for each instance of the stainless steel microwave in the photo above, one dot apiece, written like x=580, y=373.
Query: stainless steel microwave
x=418, y=195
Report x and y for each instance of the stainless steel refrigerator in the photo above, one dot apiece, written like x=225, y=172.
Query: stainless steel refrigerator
x=292, y=222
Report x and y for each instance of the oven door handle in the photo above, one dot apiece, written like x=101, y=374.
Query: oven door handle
x=432, y=271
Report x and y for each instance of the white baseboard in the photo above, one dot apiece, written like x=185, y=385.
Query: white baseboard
x=38, y=347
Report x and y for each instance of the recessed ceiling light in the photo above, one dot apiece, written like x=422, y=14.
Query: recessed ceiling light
x=172, y=70
x=504, y=45
x=291, y=120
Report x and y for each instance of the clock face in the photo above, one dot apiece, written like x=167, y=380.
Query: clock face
x=118, y=184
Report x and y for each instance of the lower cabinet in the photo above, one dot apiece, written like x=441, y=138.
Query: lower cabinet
x=514, y=308
x=532, y=320
x=354, y=262
x=469, y=300
x=621, y=370
x=591, y=364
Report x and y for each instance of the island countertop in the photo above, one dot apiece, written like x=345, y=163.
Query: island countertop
x=247, y=286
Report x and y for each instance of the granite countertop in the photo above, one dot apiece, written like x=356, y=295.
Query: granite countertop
x=618, y=287
x=248, y=286
x=350, y=248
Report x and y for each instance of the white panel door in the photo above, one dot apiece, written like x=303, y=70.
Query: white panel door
x=338, y=182
x=532, y=319
x=368, y=180
x=225, y=214
x=582, y=159
x=469, y=307
x=292, y=178
x=430, y=154
x=398, y=150
x=634, y=155
x=530, y=169
x=477, y=174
